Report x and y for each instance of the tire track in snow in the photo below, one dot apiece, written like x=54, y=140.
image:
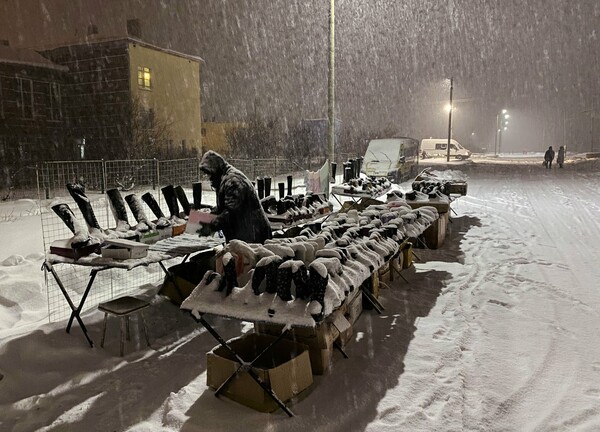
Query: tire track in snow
x=533, y=391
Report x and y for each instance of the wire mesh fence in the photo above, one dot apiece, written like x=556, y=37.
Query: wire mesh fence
x=53, y=176
x=129, y=177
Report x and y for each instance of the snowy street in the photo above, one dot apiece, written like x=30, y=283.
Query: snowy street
x=496, y=330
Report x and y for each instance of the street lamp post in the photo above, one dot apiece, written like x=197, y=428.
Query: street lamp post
x=450, y=120
x=501, y=125
x=331, y=87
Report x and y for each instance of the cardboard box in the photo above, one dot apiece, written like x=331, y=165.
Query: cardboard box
x=396, y=266
x=122, y=249
x=457, y=188
x=179, y=229
x=65, y=248
x=354, y=309
x=407, y=258
x=384, y=273
x=320, y=339
x=373, y=283
x=435, y=234
x=285, y=368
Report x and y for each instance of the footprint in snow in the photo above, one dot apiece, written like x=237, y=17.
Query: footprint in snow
x=500, y=303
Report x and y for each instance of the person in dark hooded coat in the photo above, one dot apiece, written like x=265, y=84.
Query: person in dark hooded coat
x=549, y=157
x=238, y=211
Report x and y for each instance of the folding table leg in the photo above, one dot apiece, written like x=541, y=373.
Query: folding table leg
x=75, y=311
x=171, y=278
x=246, y=365
x=372, y=300
x=340, y=349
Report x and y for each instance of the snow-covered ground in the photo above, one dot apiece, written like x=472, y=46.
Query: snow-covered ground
x=497, y=330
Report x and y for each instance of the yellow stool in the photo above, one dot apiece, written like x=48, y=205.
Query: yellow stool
x=123, y=307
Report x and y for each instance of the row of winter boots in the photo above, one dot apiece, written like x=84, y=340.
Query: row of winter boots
x=92, y=232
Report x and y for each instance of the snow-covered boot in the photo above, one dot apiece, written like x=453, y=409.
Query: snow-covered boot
x=84, y=204
x=318, y=280
x=81, y=236
x=117, y=205
x=300, y=279
x=271, y=274
x=284, y=283
x=229, y=280
x=135, y=205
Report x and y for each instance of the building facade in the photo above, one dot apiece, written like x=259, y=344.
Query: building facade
x=32, y=112
x=105, y=99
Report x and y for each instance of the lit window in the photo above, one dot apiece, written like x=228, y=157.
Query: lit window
x=144, y=78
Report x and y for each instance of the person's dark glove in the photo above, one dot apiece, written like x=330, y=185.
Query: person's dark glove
x=205, y=230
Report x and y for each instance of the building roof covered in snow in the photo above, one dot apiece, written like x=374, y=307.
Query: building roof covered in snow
x=28, y=57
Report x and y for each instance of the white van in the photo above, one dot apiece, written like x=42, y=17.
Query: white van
x=437, y=147
x=394, y=158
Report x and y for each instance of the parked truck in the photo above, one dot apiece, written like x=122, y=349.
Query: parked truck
x=394, y=158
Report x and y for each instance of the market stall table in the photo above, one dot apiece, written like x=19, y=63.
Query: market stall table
x=177, y=247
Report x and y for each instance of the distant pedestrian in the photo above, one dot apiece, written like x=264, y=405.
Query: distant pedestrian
x=549, y=157
x=560, y=158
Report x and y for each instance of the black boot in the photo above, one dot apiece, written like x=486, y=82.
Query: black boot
x=148, y=198
x=271, y=275
x=197, y=190
x=84, y=204
x=118, y=208
x=135, y=205
x=284, y=283
x=185, y=204
x=171, y=199
x=300, y=278
x=230, y=276
x=318, y=286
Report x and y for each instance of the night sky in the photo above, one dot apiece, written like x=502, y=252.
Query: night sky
x=540, y=59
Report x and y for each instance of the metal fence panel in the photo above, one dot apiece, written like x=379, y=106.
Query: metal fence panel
x=54, y=176
x=176, y=172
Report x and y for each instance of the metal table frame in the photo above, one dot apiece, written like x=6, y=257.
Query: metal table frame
x=244, y=365
x=76, y=310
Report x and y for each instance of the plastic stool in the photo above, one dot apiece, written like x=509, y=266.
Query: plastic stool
x=123, y=307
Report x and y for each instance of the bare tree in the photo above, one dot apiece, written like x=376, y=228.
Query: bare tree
x=258, y=138
x=149, y=133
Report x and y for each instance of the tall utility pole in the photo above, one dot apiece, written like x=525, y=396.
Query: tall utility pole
x=497, y=131
x=331, y=87
x=449, y=119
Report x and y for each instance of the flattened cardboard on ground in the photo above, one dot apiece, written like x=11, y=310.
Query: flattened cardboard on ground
x=285, y=368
